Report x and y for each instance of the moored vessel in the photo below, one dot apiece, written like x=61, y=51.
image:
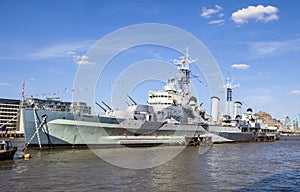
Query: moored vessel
x=172, y=116
x=7, y=150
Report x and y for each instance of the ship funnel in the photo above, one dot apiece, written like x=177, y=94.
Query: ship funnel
x=214, y=111
x=237, y=109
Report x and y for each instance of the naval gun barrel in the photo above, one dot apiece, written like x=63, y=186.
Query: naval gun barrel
x=100, y=106
x=107, y=105
x=127, y=103
x=132, y=100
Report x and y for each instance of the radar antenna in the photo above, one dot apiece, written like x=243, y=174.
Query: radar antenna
x=184, y=74
x=229, y=86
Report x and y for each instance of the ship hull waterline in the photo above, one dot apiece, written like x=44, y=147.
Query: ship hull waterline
x=64, y=130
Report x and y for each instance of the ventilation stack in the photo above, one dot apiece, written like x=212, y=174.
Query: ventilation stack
x=237, y=109
x=214, y=112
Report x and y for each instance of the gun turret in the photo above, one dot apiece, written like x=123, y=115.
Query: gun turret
x=101, y=106
x=127, y=103
x=107, y=105
x=131, y=100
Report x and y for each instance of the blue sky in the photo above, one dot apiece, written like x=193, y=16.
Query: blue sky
x=256, y=42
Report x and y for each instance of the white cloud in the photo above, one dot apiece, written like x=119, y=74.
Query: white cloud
x=67, y=50
x=83, y=60
x=5, y=84
x=207, y=13
x=295, y=92
x=219, y=21
x=221, y=15
x=259, y=13
x=71, y=53
x=76, y=57
x=263, y=48
x=264, y=75
x=240, y=66
x=275, y=47
x=62, y=50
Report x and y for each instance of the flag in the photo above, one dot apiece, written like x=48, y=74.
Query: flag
x=23, y=87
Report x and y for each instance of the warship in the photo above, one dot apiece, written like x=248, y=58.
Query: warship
x=172, y=116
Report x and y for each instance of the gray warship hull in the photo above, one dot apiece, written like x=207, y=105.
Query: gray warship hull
x=64, y=129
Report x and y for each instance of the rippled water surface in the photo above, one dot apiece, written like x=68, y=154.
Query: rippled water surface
x=225, y=167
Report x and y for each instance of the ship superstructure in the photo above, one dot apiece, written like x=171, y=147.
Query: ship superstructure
x=177, y=95
x=176, y=91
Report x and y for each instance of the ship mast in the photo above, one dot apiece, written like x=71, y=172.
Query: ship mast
x=229, y=88
x=184, y=74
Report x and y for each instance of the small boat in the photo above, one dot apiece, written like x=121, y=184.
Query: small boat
x=7, y=150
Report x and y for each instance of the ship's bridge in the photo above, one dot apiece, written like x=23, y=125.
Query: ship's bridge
x=162, y=99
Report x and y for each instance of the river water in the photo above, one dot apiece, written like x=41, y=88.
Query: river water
x=271, y=166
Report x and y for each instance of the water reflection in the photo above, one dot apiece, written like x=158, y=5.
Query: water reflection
x=225, y=167
x=139, y=158
x=7, y=165
x=289, y=181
